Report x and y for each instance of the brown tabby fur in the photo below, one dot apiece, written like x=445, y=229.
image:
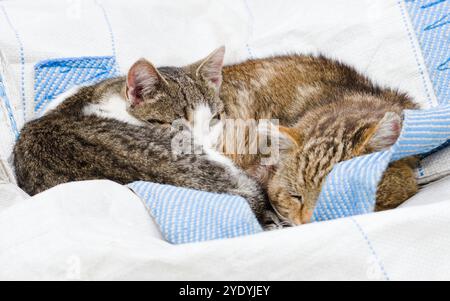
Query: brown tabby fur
x=67, y=145
x=334, y=109
x=328, y=111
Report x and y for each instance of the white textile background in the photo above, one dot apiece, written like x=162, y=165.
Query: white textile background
x=101, y=230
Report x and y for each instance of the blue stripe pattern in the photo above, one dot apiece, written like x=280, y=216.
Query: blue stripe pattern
x=4, y=98
x=187, y=215
x=431, y=21
x=22, y=62
x=53, y=77
x=350, y=188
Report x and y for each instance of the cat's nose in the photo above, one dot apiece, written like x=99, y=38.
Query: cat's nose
x=306, y=215
x=302, y=216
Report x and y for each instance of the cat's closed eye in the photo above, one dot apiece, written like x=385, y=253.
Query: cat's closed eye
x=156, y=121
x=297, y=197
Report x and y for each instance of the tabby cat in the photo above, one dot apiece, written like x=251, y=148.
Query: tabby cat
x=91, y=135
x=328, y=113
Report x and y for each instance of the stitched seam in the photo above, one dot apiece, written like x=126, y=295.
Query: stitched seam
x=250, y=28
x=371, y=248
x=22, y=60
x=417, y=52
x=13, y=125
x=111, y=32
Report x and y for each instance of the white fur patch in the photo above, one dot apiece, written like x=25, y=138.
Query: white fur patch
x=207, y=136
x=113, y=107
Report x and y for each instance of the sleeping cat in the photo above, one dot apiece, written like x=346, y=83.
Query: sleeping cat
x=91, y=135
x=329, y=111
x=332, y=132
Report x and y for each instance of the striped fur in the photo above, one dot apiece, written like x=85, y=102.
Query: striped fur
x=422, y=132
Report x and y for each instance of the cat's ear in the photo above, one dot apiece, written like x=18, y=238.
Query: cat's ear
x=210, y=68
x=385, y=133
x=142, y=78
x=287, y=138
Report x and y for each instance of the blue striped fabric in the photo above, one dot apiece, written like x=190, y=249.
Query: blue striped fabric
x=431, y=21
x=22, y=59
x=4, y=98
x=55, y=76
x=350, y=188
x=187, y=215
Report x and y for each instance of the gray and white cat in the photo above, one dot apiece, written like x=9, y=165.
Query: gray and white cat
x=91, y=135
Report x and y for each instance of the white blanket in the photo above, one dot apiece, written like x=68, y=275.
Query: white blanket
x=100, y=230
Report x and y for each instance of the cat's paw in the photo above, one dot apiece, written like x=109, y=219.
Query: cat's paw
x=271, y=221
